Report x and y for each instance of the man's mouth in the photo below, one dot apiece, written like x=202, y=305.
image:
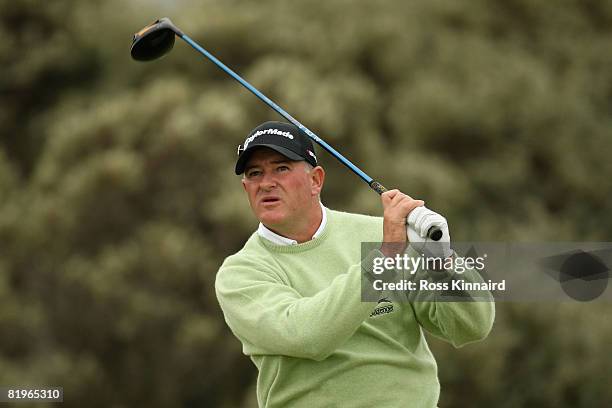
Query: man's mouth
x=270, y=200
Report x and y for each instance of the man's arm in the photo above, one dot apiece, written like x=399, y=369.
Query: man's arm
x=270, y=317
x=456, y=322
x=460, y=322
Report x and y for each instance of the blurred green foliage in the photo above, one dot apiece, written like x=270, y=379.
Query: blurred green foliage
x=118, y=200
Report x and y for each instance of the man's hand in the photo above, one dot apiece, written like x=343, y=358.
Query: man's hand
x=396, y=206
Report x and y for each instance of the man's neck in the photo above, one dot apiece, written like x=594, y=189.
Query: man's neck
x=305, y=230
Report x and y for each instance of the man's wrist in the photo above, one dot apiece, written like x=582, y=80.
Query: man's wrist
x=391, y=249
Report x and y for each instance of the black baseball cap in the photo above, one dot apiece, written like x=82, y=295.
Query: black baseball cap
x=285, y=138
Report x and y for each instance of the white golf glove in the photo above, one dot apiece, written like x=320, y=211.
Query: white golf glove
x=419, y=221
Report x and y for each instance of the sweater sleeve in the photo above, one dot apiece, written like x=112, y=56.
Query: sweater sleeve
x=459, y=322
x=270, y=317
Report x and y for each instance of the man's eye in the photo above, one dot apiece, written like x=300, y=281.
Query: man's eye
x=253, y=173
x=282, y=168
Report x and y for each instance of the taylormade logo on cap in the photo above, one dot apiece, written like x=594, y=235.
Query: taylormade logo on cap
x=266, y=132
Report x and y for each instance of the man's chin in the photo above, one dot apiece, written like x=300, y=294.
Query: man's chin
x=271, y=217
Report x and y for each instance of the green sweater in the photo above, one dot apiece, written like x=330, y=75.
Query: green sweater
x=298, y=312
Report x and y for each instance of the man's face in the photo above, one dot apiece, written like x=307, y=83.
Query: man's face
x=280, y=191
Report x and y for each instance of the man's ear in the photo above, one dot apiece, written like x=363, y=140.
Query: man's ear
x=243, y=183
x=317, y=177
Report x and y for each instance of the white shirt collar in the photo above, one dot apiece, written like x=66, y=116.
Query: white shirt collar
x=272, y=236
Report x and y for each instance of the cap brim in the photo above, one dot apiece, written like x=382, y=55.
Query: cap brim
x=244, y=157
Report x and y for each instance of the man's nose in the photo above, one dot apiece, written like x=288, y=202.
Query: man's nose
x=268, y=182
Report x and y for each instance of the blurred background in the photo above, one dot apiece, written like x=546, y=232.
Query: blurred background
x=118, y=200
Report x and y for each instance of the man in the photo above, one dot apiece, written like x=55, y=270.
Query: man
x=292, y=294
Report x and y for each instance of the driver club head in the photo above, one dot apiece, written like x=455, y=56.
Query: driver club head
x=154, y=41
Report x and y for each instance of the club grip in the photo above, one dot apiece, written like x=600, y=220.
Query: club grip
x=376, y=186
x=434, y=233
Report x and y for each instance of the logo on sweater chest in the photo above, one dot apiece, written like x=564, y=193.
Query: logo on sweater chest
x=384, y=307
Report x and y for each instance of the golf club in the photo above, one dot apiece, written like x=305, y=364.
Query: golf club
x=157, y=39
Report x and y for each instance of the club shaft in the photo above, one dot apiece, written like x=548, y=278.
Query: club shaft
x=280, y=110
x=434, y=233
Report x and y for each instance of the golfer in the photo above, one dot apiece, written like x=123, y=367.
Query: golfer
x=292, y=294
